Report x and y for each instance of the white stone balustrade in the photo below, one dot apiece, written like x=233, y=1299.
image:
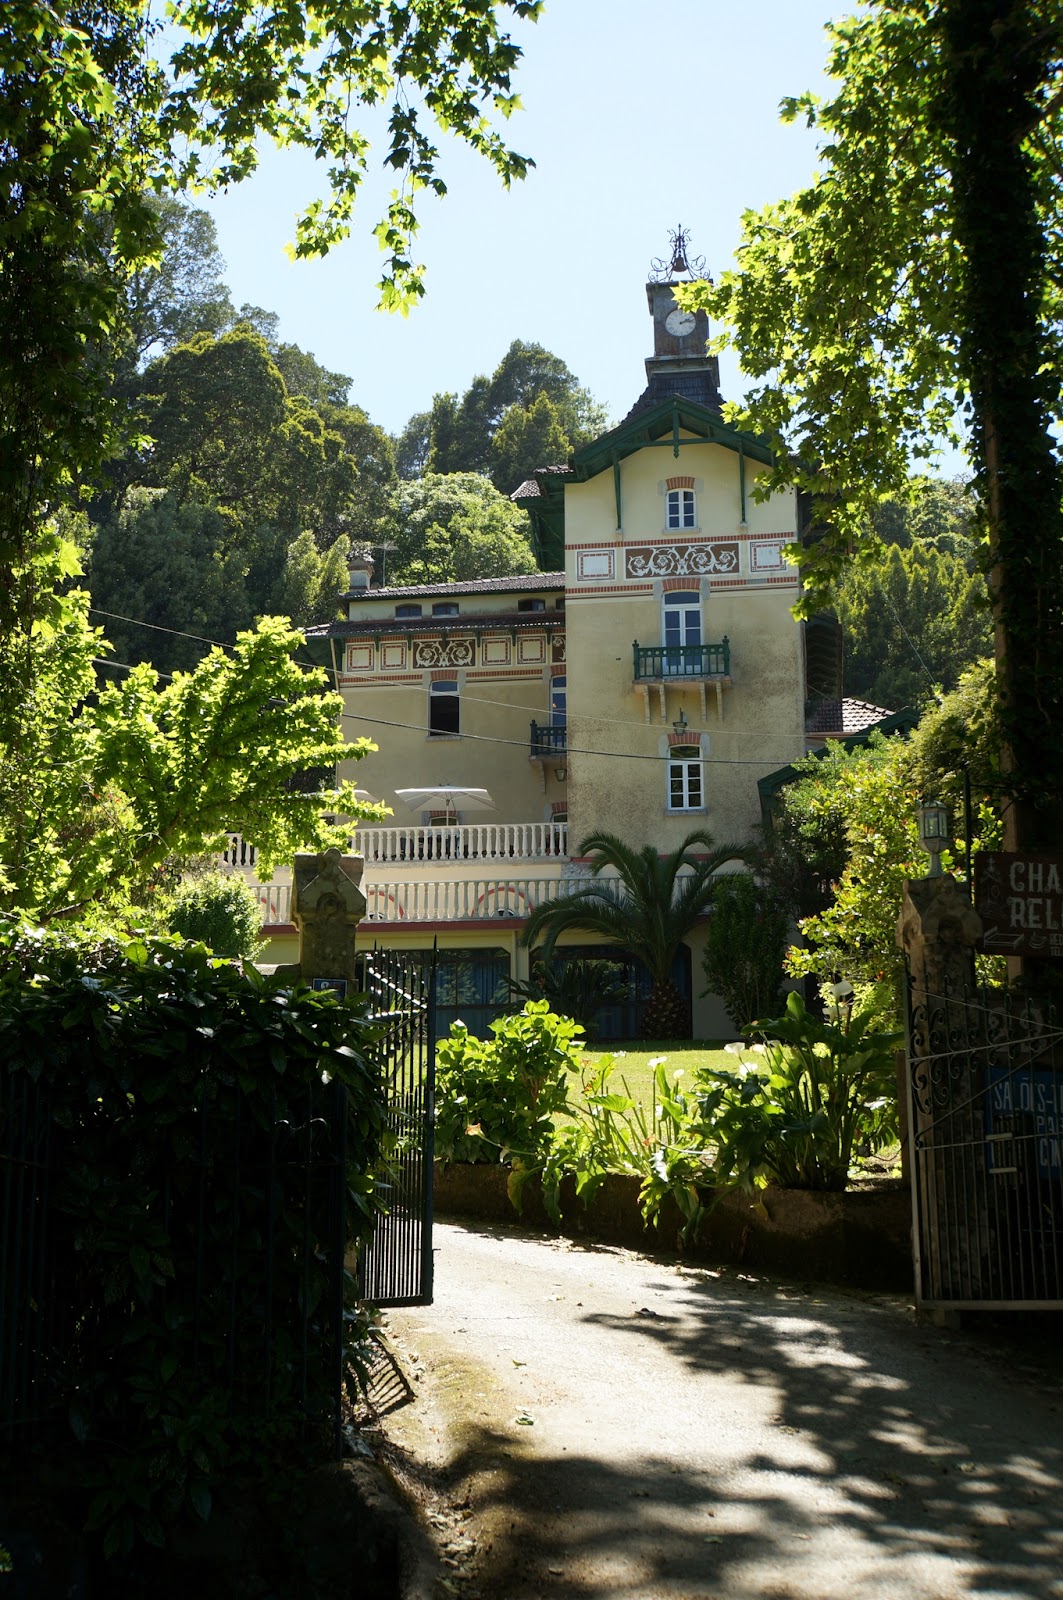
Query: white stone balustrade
x=434, y=900
x=274, y=901
x=490, y=841
x=238, y=853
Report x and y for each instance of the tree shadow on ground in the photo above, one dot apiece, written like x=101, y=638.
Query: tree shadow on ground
x=903, y=1462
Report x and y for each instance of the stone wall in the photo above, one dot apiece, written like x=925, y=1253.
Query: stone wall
x=861, y=1237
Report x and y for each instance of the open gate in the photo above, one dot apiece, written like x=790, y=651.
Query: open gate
x=986, y=1130
x=396, y=1266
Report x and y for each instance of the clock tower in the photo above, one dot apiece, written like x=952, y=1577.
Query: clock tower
x=680, y=363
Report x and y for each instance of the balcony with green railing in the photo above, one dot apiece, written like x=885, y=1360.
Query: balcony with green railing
x=661, y=663
x=548, y=743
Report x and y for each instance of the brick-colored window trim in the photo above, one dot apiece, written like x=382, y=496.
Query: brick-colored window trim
x=680, y=483
x=677, y=585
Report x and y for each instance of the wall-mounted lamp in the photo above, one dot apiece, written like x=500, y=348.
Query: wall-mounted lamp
x=933, y=834
x=680, y=724
x=560, y=773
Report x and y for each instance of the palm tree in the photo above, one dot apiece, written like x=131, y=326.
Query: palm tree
x=648, y=912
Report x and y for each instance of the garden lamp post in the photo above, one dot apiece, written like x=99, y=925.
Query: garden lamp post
x=933, y=834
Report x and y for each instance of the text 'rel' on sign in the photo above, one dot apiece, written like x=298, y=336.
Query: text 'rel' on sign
x=1020, y=901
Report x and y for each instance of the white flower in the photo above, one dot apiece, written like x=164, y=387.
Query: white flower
x=655, y=1061
x=735, y=1048
x=841, y=991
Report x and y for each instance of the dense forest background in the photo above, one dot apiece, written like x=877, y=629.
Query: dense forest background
x=254, y=474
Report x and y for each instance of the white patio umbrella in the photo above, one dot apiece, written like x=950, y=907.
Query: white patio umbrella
x=447, y=797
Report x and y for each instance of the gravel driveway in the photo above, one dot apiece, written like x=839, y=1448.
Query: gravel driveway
x=599, y=1423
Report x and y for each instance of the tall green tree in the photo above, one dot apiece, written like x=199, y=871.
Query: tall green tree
x=174, y=565
x=452, y=527
x=182, y=292
x=647, y=905
x=134, y=776
x=913, y=621
x=461, y=432
x=92, y=125
x=920, y=274
x=243, y=502
x=527, y=434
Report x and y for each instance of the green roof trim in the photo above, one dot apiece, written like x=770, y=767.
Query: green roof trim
x=657, y=428
x=668, y=417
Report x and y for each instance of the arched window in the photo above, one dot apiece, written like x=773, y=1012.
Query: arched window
x=444, y=707
x=407, y=611
x=445, y=608
x=680, y=509
x=685, y=787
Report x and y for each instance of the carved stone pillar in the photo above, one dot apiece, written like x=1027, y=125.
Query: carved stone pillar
x=937, y=929
x=327, y=906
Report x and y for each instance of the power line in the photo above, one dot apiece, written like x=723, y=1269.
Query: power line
x=487, y=738
x=400, y=688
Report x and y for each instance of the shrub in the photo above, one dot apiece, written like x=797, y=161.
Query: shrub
x=220, y=911
x=190, y=1112
x=807, y=1091
x=607, y=1130
x=744, y=948
x=496, y=1098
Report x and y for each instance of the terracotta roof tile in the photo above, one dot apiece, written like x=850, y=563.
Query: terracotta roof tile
x=839, y=718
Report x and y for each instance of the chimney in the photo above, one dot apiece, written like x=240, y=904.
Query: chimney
x=361, y=572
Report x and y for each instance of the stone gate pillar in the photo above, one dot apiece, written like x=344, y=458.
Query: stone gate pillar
x=327, y=906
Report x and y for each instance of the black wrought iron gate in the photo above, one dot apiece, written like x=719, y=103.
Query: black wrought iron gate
x=986, y=1128
x=396, y=1266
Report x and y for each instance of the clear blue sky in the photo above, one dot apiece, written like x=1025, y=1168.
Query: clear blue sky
x=638, y=116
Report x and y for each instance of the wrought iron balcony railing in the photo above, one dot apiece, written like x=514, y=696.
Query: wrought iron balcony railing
x=548, y=742
x=654, y=662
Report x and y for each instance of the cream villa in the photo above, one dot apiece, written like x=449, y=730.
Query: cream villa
x=643, y=687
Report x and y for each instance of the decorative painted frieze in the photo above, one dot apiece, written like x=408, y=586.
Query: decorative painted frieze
x=360, y=657
x=558, y=647
x=443, y=652
x=681, y=560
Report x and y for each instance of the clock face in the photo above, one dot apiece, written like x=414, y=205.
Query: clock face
x=680, y=323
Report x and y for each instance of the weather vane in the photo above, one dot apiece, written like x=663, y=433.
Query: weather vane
x=667, y=269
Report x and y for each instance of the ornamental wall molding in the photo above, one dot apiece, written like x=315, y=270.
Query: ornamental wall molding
x=444, y=653
x=681, y=560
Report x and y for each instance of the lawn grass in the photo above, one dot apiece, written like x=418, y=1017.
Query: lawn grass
x=687, y=1056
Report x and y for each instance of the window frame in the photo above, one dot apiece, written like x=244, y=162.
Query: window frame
x=680, y=510
x=685, y=762
x=445, y=689
x=409, y=613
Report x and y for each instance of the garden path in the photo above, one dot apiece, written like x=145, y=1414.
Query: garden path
x=601, y=1424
